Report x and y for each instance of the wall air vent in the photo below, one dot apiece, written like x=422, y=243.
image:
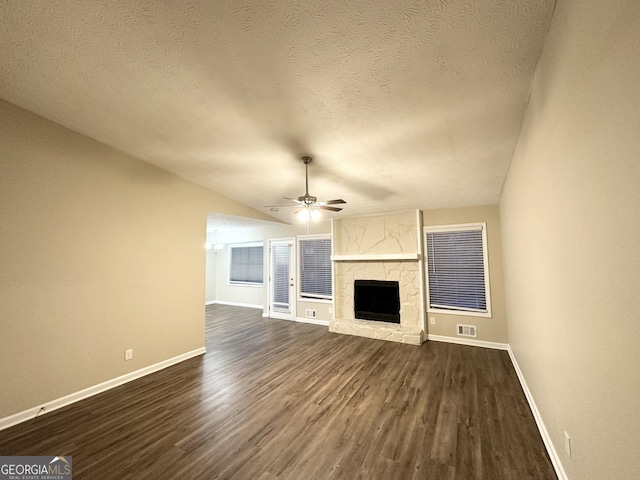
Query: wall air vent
x=467, y=330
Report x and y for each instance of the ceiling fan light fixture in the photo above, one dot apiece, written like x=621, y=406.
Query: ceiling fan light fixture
x=303, y=215
x=308, y=213
x=309, y=206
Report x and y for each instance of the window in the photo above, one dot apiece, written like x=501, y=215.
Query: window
x=245, y=264
x=457, y=269
x=315, y=267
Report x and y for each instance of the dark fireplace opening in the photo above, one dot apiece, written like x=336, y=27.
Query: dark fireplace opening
x=377, y=300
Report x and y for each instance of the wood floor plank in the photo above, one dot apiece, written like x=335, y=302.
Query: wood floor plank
x=273, y=399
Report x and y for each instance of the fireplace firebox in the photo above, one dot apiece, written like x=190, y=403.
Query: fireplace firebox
x=377, y=300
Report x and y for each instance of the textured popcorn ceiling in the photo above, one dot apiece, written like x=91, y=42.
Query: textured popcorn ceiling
x=402, y=104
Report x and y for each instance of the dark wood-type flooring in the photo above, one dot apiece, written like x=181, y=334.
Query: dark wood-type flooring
x=273, y=399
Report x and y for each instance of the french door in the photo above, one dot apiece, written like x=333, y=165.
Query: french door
x=282, y=279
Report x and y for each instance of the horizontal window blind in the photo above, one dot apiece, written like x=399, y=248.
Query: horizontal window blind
x=246, y=264
x=315, y=268
x=280, y=264
x=456, y=270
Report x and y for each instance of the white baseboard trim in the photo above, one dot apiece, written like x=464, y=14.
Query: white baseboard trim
x=52, y=405
x=468, y=341
x=235, y=304
x=210, y=302
x=544, y=433
x=265, y=314
x=315, y=321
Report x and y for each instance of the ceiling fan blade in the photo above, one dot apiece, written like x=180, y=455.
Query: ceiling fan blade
x=332, y=202
x=331, y=209
x=293, y=200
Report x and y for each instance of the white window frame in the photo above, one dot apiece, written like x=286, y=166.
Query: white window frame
x=485, y=259
x=299, y=239
x=230, y=255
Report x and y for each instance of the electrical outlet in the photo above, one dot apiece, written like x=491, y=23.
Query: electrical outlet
x=432, y=320
x=567, y=444
x=128, y=354
x=330, y=310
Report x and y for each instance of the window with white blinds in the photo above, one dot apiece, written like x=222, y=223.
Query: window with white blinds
x=457, y=269
x=246, y=264
x=315, y=268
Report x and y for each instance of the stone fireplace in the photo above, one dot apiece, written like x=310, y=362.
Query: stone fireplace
x=383, y=247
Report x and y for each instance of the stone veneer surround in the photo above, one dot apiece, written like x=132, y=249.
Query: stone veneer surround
x=383, y=247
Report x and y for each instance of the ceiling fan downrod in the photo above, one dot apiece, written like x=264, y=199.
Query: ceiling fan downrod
x=307, y=199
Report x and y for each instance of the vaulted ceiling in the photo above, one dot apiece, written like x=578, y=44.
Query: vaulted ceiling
x=401, y=103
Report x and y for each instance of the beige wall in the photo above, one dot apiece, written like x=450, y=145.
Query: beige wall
x=571, y=227
x=493, y=329
x=99, y=252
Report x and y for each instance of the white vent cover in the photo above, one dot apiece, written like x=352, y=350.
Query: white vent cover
x=467, y=330
x=310, y=313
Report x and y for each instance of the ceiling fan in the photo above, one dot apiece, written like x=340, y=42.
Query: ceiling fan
x=308, y=203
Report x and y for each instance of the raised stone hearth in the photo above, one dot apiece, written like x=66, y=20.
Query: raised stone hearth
x=384, y=247
x=378, y=330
